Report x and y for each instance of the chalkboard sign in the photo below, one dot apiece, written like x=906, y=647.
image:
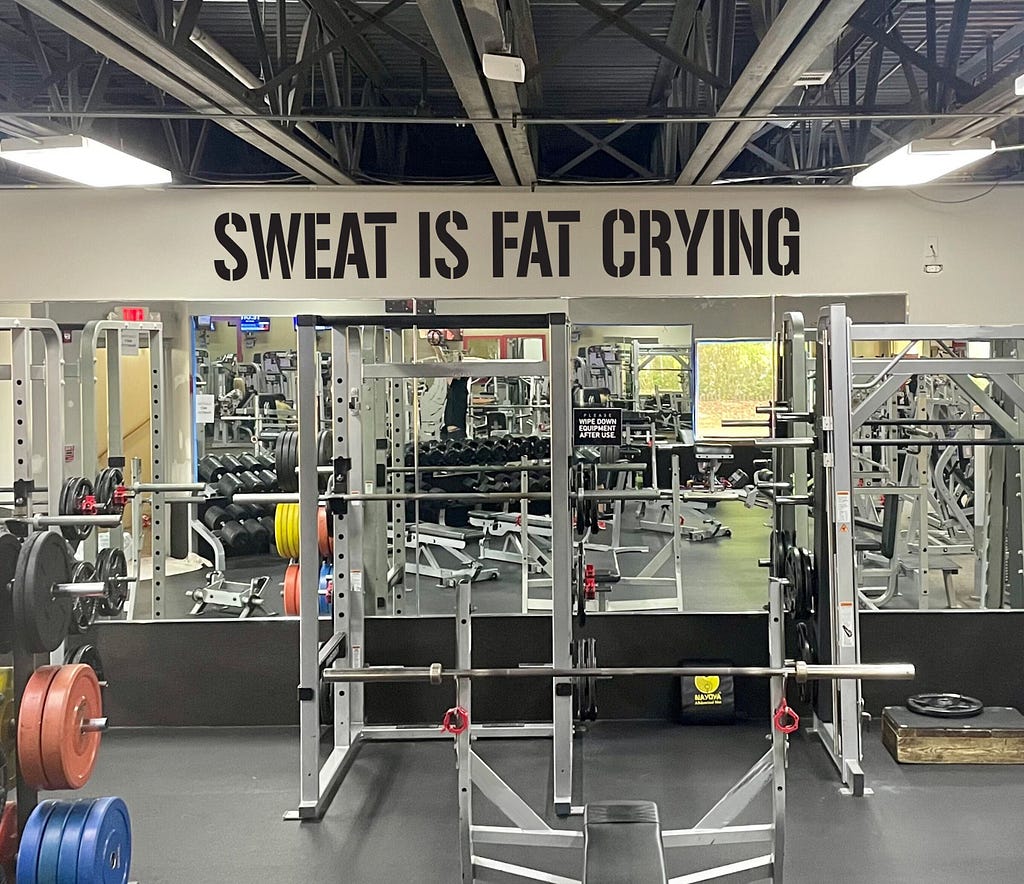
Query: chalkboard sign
x=597, y=426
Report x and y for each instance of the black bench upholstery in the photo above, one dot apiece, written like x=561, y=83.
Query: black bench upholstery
x=622, y=844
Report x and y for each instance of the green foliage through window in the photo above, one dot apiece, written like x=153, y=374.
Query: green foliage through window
x=733, y=377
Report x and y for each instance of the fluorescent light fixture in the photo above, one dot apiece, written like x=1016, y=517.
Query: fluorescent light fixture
x=1018, y=85
x=924, y=160
x=508, y=68
x=81, y=159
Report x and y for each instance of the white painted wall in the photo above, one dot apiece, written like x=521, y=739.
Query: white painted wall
x=132, y=246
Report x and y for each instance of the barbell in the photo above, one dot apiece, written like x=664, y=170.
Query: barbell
x=798, y=670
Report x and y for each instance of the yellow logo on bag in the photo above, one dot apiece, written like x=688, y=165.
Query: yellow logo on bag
x=706, y=684
x=706, y=690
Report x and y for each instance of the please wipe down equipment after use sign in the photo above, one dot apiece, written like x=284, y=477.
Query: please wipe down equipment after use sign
x=597, y=426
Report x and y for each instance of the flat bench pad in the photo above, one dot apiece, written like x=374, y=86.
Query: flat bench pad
x=622, y=844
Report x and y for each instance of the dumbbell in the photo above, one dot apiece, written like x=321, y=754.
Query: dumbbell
x=239, y=512
x=266, y=461
x=236, y=539
x=215, y=517
x=458, y=454
x=268, y=479
x=250, y=462
x=259, y=535
x=231, y=463
x=251, y=482
x=229, y=485
x=211, y=469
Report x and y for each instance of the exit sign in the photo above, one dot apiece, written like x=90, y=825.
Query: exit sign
x=133, y=314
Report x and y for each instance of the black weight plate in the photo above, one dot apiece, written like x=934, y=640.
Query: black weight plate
x=39, y=618
x=10, y=546
x=794, y=574
x=73, y=492
x=88, y=655
x=111, y=563
x=83, y=610
x=944, y=705
x=806, y=653
x=807, y=588
x=106, y=481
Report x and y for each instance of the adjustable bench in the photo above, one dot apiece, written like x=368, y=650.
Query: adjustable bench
x=454, y=541
x=622, y=843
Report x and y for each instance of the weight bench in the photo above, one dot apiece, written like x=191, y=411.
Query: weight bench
x=454, y=541
x=622, y=843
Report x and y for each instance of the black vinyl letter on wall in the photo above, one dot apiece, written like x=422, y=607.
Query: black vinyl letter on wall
x=458, y=251
x=314, y=245
x=776, y=241
x=718, y=242
x=379, y=220
x=650, y=241
x=563, y=220
x=608, y=243
x=274, y=243
x=534, y=249
x=220, y=230
x=740, y=236
x=691, y=237
x=424, y=221
x=351, y=252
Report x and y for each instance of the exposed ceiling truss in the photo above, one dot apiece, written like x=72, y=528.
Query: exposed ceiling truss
x=645, y=91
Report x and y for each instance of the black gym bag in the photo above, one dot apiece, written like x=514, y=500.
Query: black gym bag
x=707, y=699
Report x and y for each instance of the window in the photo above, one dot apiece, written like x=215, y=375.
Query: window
x=733, y=378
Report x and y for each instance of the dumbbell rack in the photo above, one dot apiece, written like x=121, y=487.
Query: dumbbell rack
x=318, y=783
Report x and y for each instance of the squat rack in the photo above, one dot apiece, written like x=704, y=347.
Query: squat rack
x=318, y=783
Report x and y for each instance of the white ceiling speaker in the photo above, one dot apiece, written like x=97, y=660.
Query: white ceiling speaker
x=508, y=68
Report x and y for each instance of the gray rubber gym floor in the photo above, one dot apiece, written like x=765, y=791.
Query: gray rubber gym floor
x=719, y=575
x=206, y=807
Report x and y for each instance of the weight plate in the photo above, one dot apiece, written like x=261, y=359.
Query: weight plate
x=69, y=754
x=49, y=844
x=325, y=589
x=72, y=495
x=111, y=564
x=805, y=651
x=107, y=482
x=30, y=727
x=67, y=857
x=794, y=573
x=31, y=838
x=39, y=618
x=105, y=851
x=944, y=705
x=324, y=539
x=10, y=547
x=83, y=611
x=291, y=591
x=807, y=587
x=88, y=655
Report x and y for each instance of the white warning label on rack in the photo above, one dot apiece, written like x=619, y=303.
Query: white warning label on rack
x=355, y=581
x=847, y=624
x=843, y=510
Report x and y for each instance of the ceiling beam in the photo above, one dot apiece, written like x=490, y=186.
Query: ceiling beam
x=1004, y=45
x=485, y=27
x=819, y=34
x=184, y=77
x=679, y=30
x=460, y=59
x=776, y=43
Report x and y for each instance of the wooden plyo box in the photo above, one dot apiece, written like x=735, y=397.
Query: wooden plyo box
x=996, y=736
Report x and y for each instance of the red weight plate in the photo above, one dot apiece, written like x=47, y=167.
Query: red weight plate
x=8, y=834
x=291, y=591
x=69, y=753
x=324, y=540
x=30, y=727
